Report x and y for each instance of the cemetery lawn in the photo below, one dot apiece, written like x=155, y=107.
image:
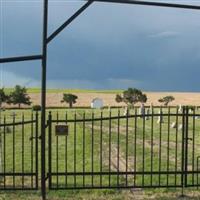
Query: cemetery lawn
x=156, y=194
x=60, y=142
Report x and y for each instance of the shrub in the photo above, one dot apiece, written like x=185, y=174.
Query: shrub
x=36, y=108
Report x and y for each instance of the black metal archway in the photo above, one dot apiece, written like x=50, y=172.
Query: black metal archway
x=43, y=57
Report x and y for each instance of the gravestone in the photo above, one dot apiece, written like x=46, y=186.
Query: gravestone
x=8, y=130
x=173, y=125
x=190, y=110
x=180, y=109
x=180, y=127
x=148, y=112
x=125, y=111
x=142, y=111
x=151, y=106
x=160, y=118
x=97, y=103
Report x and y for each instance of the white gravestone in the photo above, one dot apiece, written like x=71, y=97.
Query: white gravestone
x=125, y=111
x=97, y=103
x=180, y=127
x=180, y=109
x=147, y=117
x=160, y=118
x=173, y=125
x=142, y=111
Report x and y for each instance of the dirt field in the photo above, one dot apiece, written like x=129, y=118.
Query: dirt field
x=84, y=99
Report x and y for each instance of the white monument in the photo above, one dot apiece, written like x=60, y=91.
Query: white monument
x=97, y=103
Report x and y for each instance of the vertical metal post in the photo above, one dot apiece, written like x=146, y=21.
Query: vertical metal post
x=43, y=97
x=183, y=151
x=50, y=152
x=186, y=143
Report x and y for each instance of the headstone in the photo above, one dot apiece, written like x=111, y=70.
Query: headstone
x=180, y=109
x=97, y=103
x=151, y=106
x=190, y=110
x=142, y=110
x=160, y=118
x=148, y=112
x=125, y=111
x=8, y=130
x=173, y=125
x=180, y=127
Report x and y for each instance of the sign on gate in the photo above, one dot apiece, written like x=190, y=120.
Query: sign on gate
x=61, y=130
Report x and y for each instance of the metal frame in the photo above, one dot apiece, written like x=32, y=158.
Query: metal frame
x=43, y=57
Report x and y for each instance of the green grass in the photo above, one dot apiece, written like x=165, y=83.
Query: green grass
x=157, y=194
x=63, y=147
x=38, y=90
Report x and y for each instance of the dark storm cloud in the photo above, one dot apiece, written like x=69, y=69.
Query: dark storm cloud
x=111, y=45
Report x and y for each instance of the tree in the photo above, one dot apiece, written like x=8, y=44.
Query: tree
x=166, y=100
x=3, y=97
x=19, y=96
x=131, y=97
x=70, y=99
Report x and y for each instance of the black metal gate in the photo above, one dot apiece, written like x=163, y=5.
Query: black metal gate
x=118, y=150
x=19, y=152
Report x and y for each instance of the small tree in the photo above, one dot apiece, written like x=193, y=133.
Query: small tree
x=19, y=96
x=3, y=97
x=70, y=99
x=37, y=108
x=166, y=100
x=131, y=97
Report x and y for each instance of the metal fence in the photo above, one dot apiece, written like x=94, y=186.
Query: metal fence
x=19, y=152
x=117, y=149
x=114, y=148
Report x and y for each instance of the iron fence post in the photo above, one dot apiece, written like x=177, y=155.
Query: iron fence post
x=43, y=98
x=186, y=143
x=183, y=150
x=49, y=146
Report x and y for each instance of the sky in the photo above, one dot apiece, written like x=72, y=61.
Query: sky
x=109, y=46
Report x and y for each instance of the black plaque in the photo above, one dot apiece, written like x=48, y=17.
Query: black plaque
x=61, y=130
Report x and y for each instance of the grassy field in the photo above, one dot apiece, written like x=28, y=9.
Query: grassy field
x=152, y=146
x=38, y=90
